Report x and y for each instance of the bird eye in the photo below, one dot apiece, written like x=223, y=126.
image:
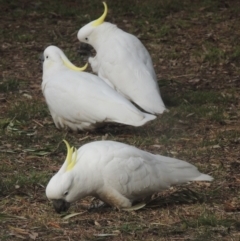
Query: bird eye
x=66, y=193
x=86, y=39
x=47, y=57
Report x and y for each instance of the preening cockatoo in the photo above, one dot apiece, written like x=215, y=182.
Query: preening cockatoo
x=116, y=173
x=123, y=62
x=80, y=100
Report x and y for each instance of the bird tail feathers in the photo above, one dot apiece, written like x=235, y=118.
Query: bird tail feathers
x=148, y=117
x=178, y=171
x=204, y=177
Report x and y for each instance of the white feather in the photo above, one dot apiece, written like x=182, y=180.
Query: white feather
x=82, y=100
x=120, y=174
x=125, y=64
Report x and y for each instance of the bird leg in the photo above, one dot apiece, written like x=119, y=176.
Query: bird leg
x=114, y=198
x=97, y=203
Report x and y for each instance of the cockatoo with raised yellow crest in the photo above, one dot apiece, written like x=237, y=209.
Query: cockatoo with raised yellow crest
x=123, y=62
x=116, y=173
x=80, y=100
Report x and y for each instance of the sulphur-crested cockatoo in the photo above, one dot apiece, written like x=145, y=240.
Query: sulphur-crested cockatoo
x=80, y=100
x=123, y=62
x=116, y=173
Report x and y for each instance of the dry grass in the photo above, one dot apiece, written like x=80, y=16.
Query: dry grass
x=195, y=49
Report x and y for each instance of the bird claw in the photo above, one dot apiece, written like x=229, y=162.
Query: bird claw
x=96, y=203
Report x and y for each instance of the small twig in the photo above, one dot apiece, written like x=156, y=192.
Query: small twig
x=162, y=224
x=179, y=76
x=38, y=123
x=84, y=138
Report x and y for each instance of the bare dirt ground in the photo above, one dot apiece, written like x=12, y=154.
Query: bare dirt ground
x=196, y=53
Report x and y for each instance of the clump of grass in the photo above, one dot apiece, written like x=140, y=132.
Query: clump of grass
x=2, y=187
x=163, y=8
x=198, y=98
x=209, y=220
x=128, y=228
x=205, y=97
x=20, y=179
x=182, y=23
x=235, y=56
x=213, y=113
x=10, y=84
x=201, y=104
x=27, y=110
x=230, y=135
x=214, y=55
x=210, y=54
x=24, y=38
x=163, y=31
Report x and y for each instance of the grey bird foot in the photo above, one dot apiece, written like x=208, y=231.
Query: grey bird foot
x=97, y=203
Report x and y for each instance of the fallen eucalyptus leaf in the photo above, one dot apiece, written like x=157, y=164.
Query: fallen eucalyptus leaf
x=72, y=215
x=105, y=234
x=8, y=216
x=135, y=207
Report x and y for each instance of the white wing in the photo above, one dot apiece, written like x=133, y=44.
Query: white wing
x=119, y=173
x=136, y=173
x=82, y=97
x=137, y=49
x=128, y=66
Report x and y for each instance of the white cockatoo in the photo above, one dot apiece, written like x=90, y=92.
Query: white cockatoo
x=80, y=100
x=116, y=173
x=123, y=62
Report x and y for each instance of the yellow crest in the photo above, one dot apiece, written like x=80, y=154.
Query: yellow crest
x=71, y=156
x=72, y=66
x=101, y=19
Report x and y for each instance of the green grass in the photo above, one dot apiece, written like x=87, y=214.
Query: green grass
x=129, y=228
x=214, y=54
x=210, y=54
x=200, y=104
x=24, y=38
x=201, y=127
x=26, y=110
x=23, y=180
x=206, y=97
x=163, y=31
x=207, y=222
x=235, y=56
x=10, y=84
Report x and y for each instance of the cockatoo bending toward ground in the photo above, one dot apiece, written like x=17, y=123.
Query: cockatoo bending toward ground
x=116, y=173
x=123, y=62
x=80, y=100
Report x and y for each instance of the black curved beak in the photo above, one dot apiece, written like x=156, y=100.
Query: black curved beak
x=60, y=205
x=85, y=50
x=41, y=58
